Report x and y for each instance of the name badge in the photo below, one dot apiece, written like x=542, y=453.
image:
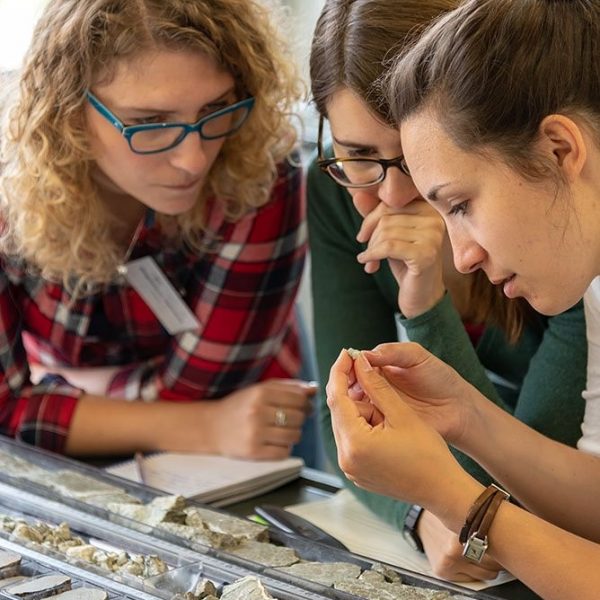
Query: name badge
x=146, y=278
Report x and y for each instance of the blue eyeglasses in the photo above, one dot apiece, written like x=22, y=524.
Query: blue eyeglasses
x=151, y=138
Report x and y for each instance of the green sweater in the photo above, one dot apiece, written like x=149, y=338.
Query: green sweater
x=547, y=367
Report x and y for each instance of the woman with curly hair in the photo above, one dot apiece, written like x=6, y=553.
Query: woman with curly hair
x=153, y=234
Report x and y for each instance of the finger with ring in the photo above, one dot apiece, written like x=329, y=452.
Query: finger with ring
x=281, y=418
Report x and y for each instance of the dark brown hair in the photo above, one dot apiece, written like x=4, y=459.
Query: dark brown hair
x=498, y=68
x=353, y=39
x=354, y=43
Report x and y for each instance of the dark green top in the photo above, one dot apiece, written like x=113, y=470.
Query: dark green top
x=352, y=309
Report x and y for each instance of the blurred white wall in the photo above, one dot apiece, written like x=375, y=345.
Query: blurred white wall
x=305, y=13
x=17, y=19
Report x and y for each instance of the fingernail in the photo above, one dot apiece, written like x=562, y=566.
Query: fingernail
x=360, y=257
x=366, y=365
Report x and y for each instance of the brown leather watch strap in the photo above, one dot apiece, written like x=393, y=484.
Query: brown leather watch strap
x=476, y=542
x=478, y=508
x=489, y=515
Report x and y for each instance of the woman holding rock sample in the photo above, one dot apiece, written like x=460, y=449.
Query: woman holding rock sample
x=499, y=112
x=381, y=255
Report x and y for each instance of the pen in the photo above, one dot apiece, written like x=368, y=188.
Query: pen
x=291, y=523
x=139, y=463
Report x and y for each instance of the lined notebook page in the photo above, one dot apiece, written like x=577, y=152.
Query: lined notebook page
x=209, y=478
x=346, y=519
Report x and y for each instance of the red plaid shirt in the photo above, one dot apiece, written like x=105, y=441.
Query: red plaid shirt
x=242, y=291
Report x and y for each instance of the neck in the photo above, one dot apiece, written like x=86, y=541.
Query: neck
x=126, y=210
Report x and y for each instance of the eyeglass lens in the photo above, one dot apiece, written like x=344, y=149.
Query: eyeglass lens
x=356, y=172
x=153, y=140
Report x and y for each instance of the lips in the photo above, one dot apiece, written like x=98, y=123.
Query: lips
x=183, y=187
x=501, y=281
x=509, y=288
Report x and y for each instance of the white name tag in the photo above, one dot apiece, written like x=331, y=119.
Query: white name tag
x=146, y=278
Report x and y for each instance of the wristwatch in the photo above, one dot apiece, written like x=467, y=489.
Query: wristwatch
x=409, y=531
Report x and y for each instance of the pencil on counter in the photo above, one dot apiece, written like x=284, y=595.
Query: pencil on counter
x=139, y=463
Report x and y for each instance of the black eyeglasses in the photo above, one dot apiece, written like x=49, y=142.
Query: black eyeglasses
x=356, y=172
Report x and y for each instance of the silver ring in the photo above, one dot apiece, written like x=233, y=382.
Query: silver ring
x=280, y=417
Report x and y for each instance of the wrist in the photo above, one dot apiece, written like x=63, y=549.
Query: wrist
x=420, y=303
x=474, y=532
x=185, y=427
x=475, y=434
x=453, y=506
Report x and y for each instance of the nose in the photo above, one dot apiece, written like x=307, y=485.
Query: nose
x=190, y=155
x=397, y=190
x=468, y=254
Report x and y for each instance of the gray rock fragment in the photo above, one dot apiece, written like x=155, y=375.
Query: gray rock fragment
x=247, y=588
x=324, y=573
x=266, y=554
x=40, y=587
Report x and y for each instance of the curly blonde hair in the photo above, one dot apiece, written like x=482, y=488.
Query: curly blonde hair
x=53, y=219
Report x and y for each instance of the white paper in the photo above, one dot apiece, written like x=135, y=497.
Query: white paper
x=158, y=293
x=346, y=519
x=211, y=478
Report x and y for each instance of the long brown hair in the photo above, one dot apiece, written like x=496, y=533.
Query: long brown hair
x=354, y=43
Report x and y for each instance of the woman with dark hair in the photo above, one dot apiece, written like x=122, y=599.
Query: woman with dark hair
x=363, y=204
x=499, y=112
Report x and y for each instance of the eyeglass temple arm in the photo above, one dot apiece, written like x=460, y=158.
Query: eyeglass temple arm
x=320, y=154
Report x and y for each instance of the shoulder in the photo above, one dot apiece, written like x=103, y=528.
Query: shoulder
x=282, y=215
x=288, y=179
x=16, y=270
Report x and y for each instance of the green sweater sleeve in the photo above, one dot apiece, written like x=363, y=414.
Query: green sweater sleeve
x=548, y=364
x=353, y=309
x=441, y=331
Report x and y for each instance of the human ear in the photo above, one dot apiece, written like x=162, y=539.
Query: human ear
x=563, y=139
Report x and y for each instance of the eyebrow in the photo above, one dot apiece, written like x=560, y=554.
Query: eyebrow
x=351, y=144
x=166, y=111
x=432, y=194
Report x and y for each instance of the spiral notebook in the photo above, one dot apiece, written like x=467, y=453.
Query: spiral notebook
x=211, y=479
